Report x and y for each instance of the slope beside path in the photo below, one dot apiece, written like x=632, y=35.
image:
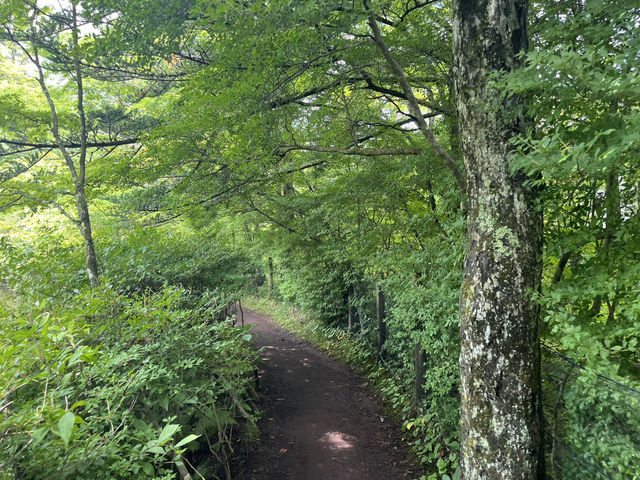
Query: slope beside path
x=320, y=423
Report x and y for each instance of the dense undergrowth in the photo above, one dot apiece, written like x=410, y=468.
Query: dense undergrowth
x=139, y=378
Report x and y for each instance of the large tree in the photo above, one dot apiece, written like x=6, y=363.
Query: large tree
x=499, y=359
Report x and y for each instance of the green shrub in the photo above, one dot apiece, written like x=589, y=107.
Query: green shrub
x=125, y=387
x=316, y=285
x=151, y=257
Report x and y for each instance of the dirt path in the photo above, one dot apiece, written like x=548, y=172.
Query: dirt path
x=319, y=423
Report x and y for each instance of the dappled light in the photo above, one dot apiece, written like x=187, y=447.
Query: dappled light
x=337, y=440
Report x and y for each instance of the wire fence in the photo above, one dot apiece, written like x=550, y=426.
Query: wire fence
x=592, y=422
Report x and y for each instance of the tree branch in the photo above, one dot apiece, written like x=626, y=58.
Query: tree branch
x=364, y=152
x=23, y=168
x=279, y=102
x=34, y=145
x=398, y=94
x=301, y=168
x=60, y=208
x=413, y=103
x=269, y=217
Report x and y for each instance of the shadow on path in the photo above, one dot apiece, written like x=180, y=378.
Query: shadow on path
x=319, y=422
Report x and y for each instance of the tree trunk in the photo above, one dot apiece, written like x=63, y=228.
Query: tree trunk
x=613, y=221
x=80, y=177
x=84, y=223
x=562, y=264
x=500, y=353
x=78, y=173
x=380, y=315
x=270, y=261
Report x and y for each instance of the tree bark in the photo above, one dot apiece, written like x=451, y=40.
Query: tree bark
x=500, y=355
x=84, y=224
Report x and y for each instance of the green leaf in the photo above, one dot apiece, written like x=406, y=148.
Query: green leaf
x=156, y=449
x=185, y=440
x=65, y=427
x=148, y=469
x=39, y=434
x=81, y=403
x=167, y=433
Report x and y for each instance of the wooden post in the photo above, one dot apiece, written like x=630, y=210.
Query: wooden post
x=270, y=260
x=352, y=310
x=241, y=312
x=380, y=316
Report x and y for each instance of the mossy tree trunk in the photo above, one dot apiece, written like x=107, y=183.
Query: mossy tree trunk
x=500, y=357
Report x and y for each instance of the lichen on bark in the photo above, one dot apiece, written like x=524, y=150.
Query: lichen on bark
x=499, y=359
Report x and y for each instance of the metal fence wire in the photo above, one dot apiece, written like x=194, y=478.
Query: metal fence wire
x=592, y=422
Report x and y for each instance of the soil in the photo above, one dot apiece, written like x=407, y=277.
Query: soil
x=320, y=422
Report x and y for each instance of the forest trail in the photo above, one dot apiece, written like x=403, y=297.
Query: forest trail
x=320, y=422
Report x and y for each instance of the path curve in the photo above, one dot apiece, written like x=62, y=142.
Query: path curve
x=320, y=423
